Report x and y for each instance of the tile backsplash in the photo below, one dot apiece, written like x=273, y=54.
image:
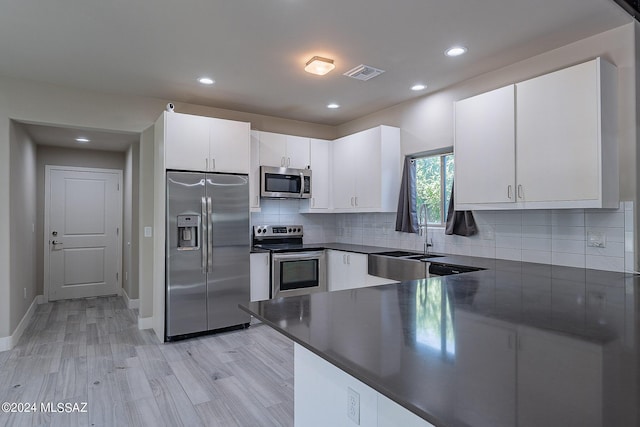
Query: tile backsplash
x=558, y=237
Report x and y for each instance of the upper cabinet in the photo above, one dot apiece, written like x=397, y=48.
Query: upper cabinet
x=366, y=171
x=283, y=150
x=320, y=160
x=205, y=144
x=548, y=142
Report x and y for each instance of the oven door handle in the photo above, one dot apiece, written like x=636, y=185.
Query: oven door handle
x=298, y=256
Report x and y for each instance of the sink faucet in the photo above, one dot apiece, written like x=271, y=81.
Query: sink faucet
x=423, y=228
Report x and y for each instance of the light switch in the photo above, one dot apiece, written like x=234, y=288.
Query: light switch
x=596, y=239
x=148, y=231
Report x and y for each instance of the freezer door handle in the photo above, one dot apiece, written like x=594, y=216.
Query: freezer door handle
x=204, y=250
x=209, y=236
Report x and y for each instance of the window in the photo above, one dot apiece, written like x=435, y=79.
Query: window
x=434, y=182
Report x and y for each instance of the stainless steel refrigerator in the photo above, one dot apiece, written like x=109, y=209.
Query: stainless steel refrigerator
x=208, y=241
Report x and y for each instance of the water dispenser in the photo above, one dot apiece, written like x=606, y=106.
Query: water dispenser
x=188, y=232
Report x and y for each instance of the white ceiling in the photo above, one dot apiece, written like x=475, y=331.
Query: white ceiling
x=65, y=137
x=256, y=49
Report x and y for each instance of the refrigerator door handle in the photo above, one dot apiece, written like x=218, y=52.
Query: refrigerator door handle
x=209, y=236
x=204, y=226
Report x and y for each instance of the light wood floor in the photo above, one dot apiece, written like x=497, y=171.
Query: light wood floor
x=91, y=351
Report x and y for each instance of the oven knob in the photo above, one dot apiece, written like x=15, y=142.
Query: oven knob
x=259, y=230
x=289, y=230
x=299, y=230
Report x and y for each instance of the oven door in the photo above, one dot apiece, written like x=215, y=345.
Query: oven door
x=298, y=273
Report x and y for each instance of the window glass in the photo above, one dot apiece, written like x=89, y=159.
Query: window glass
x=434, y=183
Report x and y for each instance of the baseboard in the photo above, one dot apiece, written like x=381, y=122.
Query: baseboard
x=145, y=323
x=131, y=303
x=7, y=343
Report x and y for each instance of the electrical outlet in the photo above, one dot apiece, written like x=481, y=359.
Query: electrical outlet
x=353, y=405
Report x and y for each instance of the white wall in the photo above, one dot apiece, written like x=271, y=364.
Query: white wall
x=22, y=237
x=127, y=215
x=145, y=219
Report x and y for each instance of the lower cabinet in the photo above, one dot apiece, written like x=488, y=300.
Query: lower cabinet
x=260, y=274
x=349, y=270
x=497, y=361
x=322, y=393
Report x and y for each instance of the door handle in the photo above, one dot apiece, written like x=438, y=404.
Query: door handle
x=520, y=191
x=55, y=242
x=282, y=161
x=356, y=198
x=206, y=163
x=205, y=249
x=209, y=236
x=509, y=191
x=213, y=164
x=288, y=161
x=352, y=202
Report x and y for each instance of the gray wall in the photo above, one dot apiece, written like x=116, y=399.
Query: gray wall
x=145, y=217
x=22, y=235
x=57, y=156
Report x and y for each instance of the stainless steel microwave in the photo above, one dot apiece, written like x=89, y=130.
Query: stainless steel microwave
x=285, y=183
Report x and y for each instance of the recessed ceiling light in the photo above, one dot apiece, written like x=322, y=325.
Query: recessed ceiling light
x=319, y=66
x=418, y=87
x=82, y=140
x=206, y=81
x=455, y=51
x=333, y=105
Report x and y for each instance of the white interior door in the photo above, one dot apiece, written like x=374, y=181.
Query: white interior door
x=83, y=215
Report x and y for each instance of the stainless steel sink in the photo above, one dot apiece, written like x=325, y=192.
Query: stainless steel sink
x=423, y=257
x=397, y=267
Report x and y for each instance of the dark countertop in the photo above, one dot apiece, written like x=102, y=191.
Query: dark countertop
x=519, y=344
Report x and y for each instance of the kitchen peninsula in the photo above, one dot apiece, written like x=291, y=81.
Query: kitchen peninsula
x=519, y=344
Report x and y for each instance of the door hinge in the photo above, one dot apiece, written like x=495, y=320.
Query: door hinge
x=117, y=276
x=117, y=231
x=118, y=186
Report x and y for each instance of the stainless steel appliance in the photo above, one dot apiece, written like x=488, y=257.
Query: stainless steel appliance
x=295, y=269
x=285, y=183
x=208, y=242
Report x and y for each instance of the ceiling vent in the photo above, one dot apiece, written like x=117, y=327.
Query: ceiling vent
x=363, y=72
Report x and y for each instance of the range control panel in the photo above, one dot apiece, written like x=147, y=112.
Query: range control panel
x=277, y=230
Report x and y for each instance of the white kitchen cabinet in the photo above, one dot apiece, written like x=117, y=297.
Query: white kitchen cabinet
x=349, y=270
x=260, y=273
x=254, y=172
x=485, y=148
x=366, y=171
x=228, y=146
x=205, y=144
x=320, y=161
x=564, y=150
x=284, y=150
x=186, y=141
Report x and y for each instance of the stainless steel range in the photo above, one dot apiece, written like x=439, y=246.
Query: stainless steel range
x=295, y=268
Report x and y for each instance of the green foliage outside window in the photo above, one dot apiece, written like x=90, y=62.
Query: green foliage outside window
x=434, y=181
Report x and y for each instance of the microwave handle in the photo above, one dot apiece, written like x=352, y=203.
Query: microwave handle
x=301, y=185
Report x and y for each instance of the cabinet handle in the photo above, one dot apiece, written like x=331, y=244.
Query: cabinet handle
x=509, y=192
x=206, y=164
x=213, y=164
x=257, y=201
x=266, y=260
x=520, y=191
x=352, y=201
x=344, y=259
x=282, y=161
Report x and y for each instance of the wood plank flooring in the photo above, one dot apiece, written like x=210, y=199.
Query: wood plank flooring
x=90, y=350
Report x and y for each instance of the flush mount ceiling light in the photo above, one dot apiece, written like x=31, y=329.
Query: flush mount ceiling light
x=418, y=87
x=206, y=81
x=333, y=105
x=456, y=51
x=319, y=65
x=82, y=140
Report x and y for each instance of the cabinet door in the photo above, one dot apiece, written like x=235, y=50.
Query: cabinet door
x=344, y=158
x=297, y=155
x=320, y=156
x=259, y=266
x=557, y=136
x=186, y=142
x=229, y=146
x=273, y=149
x=366, y=161
x=254, y=172
x=337, y=271
x=485, y=148
x=357, y=264
x=554, y=368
